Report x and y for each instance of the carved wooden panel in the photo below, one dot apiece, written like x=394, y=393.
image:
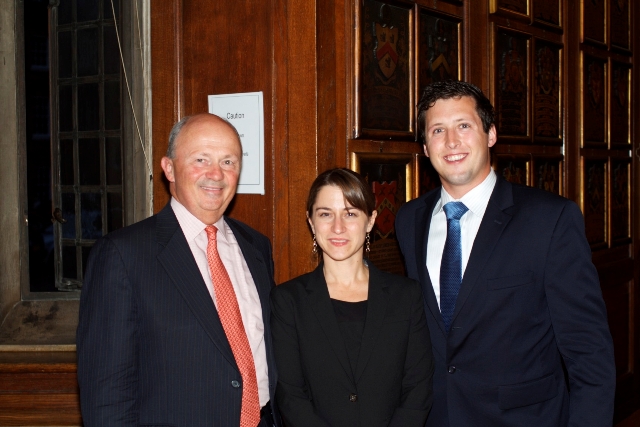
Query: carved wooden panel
x=512, y=87
x=547, y=173
x=520, y=7
x=594, y=99
x=620, y=201
x=620, y=23
x=620, y=105
x=595, y=201
x=385, y=77
x=439, y=48
x=593, y=19
x=548, y=12
x=391, y=177
x=513, y=168
x=428, y=178
x=547, y=115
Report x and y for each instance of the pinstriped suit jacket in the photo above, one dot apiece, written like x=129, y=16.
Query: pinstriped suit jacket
x=151, y=348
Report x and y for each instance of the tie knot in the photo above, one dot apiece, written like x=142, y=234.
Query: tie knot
x=211, y=232
x=455, y=210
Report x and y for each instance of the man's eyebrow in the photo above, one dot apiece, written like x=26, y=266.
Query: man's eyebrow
x=461, y=119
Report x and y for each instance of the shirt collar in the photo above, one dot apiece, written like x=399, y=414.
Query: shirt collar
x=475, y=200
x=192, y=226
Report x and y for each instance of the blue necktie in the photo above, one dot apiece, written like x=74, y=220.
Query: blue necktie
x=451, y=265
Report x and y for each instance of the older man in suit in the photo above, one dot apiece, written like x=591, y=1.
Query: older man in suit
x=517, y=321
x=174, y=314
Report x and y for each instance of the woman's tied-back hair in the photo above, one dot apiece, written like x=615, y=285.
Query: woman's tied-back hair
x=355, y=189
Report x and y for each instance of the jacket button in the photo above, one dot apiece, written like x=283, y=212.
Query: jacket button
x=452, y=369
x=235, y=384
x=353, y=397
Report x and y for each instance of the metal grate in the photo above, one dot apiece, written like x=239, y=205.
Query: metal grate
x=87, y=155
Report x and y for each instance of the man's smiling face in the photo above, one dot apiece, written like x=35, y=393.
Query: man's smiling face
x=204, y=174
x=457, y=145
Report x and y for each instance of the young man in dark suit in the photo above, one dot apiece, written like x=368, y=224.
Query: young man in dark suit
x=174, y=314
x=517, y=321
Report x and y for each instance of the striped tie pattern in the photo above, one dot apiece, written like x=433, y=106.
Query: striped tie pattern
x=451, y=265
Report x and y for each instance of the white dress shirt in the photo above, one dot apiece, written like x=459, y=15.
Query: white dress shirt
x=476, y=201
x=243, y=284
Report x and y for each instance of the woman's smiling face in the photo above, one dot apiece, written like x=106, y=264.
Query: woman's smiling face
x=340, y=228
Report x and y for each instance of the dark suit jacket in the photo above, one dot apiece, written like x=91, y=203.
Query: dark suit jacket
x=392, y=380
x=530, y=301
x=151, y=348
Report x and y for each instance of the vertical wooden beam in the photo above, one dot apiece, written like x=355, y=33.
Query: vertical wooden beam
x=571, y=92
x=635, y=190
x=331, y=45
x=280, y=140
x=477, y=41
x=166, y=79
x=302, y=131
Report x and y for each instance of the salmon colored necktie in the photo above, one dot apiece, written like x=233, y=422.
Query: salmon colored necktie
x=229, y=313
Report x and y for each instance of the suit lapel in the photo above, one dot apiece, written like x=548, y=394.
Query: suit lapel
x=376, y=310
x=423, y=224
x=321, y=304
x=493, y=223
x=177, y=260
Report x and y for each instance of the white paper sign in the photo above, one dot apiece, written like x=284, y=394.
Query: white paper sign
x=246, y=113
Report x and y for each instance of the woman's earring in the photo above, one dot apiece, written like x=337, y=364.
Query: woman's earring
x=368, y=243
x=315, y=245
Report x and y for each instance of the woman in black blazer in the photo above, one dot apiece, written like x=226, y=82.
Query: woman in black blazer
x=351, y=342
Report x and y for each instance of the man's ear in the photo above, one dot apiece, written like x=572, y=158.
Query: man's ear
x=167, y=167
x=493, y=136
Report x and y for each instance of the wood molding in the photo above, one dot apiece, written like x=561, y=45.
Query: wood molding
x=166, y=72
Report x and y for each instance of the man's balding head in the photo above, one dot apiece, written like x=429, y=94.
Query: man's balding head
x=203, y=165
x=175, y=130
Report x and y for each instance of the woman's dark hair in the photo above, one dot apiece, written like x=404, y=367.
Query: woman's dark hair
x=454, y=89
x=355, y=189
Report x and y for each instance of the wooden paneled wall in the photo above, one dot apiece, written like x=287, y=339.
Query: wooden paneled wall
x=304, y=56
x=39, y=389
x=294, y=53
x=597, y=137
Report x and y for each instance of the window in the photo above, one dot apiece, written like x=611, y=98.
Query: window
x=74, y=155
x=86, y=133
x=47, y=80
x=81, y=163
